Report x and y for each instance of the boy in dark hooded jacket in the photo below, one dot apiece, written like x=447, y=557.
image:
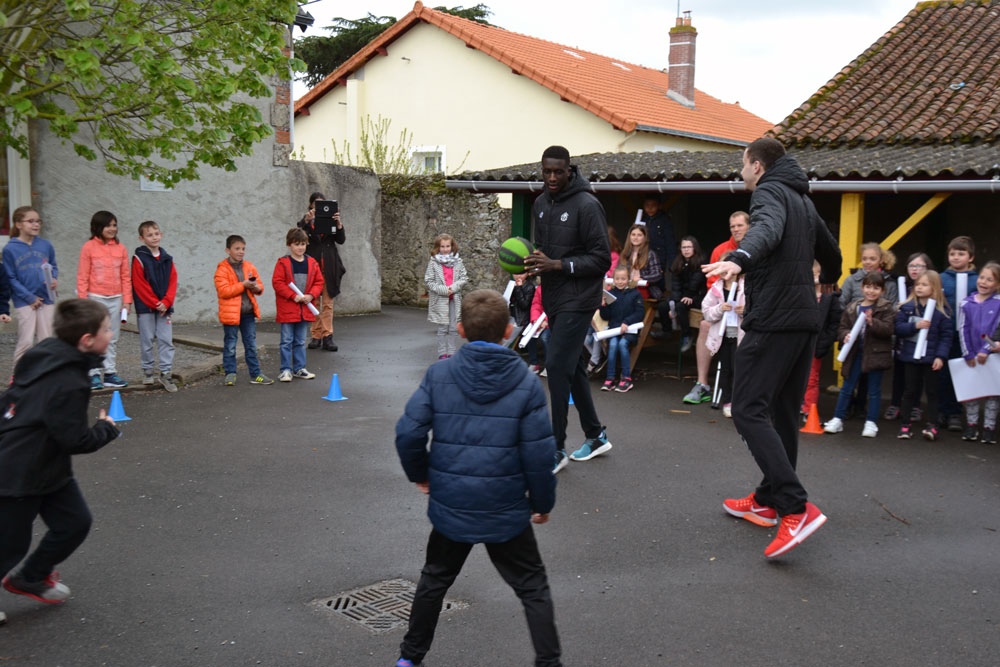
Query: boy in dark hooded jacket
x=42, y=424
x=488, y=472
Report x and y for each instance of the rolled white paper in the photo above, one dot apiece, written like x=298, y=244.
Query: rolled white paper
x=921, y=348
x=725, y=316
x=855, y=330
x=509, y=291
x=901, y=288
x=531, y=330
x=961, y=291
x=641, y=282
x=638, y=217
x=295, y=288
x=47, y=272
x=124, y=314
x=608, y=280
x=617, y=331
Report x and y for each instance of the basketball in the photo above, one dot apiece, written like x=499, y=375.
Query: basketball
x=512, y=253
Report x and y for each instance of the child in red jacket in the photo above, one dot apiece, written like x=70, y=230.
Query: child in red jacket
x=297, y=282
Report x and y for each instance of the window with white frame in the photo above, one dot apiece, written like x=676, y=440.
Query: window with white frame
x=428, y=159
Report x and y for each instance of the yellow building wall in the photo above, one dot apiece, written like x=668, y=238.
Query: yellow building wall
x=445, y=94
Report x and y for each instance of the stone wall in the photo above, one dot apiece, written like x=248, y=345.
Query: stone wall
x=411, y=220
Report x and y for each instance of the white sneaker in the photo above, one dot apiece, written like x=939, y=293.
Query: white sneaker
x=304, y=374
x=727, y=410
x=870, y=430
x=835, y=425
x=285, y=376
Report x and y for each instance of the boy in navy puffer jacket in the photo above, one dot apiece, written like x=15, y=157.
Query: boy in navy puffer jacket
x=488, y=472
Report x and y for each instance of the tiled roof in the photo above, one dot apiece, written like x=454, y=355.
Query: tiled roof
x=629, y=97
x=934, y=78
x=824, y=163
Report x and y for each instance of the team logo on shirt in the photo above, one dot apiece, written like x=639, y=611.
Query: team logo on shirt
x=9, y=413
x=564, y=217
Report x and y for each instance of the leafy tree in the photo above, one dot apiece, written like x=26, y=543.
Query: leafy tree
x=156, y=87
x=323, y=55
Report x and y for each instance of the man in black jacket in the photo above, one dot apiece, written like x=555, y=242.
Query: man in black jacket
x=781, y=321
x=573, y=254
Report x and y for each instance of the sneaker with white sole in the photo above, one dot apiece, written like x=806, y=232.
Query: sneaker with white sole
x=49, y=590
x=747, y=508
x=303, y=374
x=114, y=380
x=259, y=379
x=285, y=376
x=561, y=461
x=592, y=447
x=794, y=529
x=870, y=430
x=148, y=379
x=835, y=425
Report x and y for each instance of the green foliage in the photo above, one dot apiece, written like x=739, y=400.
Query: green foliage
x=155, y=87
x=376, y=152
x=323, y=55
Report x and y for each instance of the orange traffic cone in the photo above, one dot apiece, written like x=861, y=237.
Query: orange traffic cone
x=812, y=423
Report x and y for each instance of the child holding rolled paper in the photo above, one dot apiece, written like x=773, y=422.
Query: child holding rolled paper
x=924, y=332
x=627, y=309
x=298, y=282
x=978, y=320
x=915, y=267
x=723, y=307
x=866, y=336
x=957, y=281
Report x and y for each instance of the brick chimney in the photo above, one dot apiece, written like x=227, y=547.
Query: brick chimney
x=681, y=72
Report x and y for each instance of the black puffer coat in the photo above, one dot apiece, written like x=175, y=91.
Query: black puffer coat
x=776, y=255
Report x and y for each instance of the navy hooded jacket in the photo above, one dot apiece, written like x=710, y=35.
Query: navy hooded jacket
x=490, y=459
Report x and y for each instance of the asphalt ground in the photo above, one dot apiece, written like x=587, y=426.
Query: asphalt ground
x=224, y=516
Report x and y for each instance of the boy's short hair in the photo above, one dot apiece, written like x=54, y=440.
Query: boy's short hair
x=148, y=224
x=874, y=278
x=556, y=153
x=296, y=235
x=485, y=316
x=766, y=150
x=963, y=243
x=75, y=317
x=234, y=238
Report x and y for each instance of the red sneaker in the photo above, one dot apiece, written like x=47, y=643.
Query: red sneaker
x=795, y=528
x=747, y=508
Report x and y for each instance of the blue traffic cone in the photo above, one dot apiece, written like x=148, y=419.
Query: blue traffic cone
x=571, y=398
x=334, y=393
x=117, y=410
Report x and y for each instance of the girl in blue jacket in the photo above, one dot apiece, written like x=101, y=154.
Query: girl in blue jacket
x=24, y=259
x=919, y=375
x=626, y=309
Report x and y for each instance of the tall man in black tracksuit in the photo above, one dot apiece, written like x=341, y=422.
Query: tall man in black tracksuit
x=781, y=321
x=573, y=254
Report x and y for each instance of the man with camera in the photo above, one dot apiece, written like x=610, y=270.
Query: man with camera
x=325, y=231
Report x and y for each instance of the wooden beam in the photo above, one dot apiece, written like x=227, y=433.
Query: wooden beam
x=852, y=227
x=915, y=219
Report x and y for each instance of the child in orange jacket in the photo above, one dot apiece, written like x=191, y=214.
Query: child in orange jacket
x=237, y=283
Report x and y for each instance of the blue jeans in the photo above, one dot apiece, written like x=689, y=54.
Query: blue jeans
x=293, y=345
x=247, y=328
x=618, y=352
x=874, y=391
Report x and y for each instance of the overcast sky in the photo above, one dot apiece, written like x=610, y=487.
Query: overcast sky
x=769, y=56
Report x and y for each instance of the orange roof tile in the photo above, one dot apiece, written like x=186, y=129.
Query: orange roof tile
x=629, y=97
x=933, y=78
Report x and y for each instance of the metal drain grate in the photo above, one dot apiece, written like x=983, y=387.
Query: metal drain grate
x=379, y=607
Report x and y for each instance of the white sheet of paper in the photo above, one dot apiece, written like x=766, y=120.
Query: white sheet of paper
x=638, y=217
x=509, y=291
x=978, y=382
x=961, y=291
x=901, y=288
x=609, y=298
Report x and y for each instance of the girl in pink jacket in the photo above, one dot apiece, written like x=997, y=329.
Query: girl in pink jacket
x=104, y=275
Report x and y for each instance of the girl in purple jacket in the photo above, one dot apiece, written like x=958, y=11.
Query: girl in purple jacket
x=978, y=317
